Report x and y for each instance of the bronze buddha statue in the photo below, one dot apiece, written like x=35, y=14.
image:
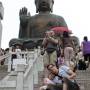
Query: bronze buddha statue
x=39, y=23
x=34, y=27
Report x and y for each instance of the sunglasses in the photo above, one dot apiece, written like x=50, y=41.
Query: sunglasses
x=51, y=66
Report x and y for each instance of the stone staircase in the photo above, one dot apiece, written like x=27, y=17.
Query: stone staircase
x=83, y=79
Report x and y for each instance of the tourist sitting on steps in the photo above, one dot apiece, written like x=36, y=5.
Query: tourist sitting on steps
x=65, y=74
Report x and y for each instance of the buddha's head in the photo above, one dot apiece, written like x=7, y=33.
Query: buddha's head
x=44, y=5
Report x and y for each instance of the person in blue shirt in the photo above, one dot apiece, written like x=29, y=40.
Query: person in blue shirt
x=66, y=74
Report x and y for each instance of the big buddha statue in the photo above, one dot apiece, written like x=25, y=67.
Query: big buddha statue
x=34, y=27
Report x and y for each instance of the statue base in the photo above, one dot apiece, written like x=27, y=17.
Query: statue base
x=26, y=43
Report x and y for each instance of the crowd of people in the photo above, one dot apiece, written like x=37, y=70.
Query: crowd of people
x=61, y=61
x=59, y=54
x=7, y=50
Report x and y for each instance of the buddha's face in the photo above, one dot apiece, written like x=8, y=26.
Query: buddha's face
x=44, y=5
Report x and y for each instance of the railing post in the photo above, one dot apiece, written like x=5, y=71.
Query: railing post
x=9, y=62
x=40, y=60
x=35, y=67
x=40, y=63
x=35, y=73
x=27, y=59
x=35, y=53
x=10, y=59
x=20, y=77
x=38, y=49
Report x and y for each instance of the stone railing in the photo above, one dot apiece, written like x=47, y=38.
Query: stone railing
x=25, y=75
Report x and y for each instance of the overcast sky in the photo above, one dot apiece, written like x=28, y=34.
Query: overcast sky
x=75, y=12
